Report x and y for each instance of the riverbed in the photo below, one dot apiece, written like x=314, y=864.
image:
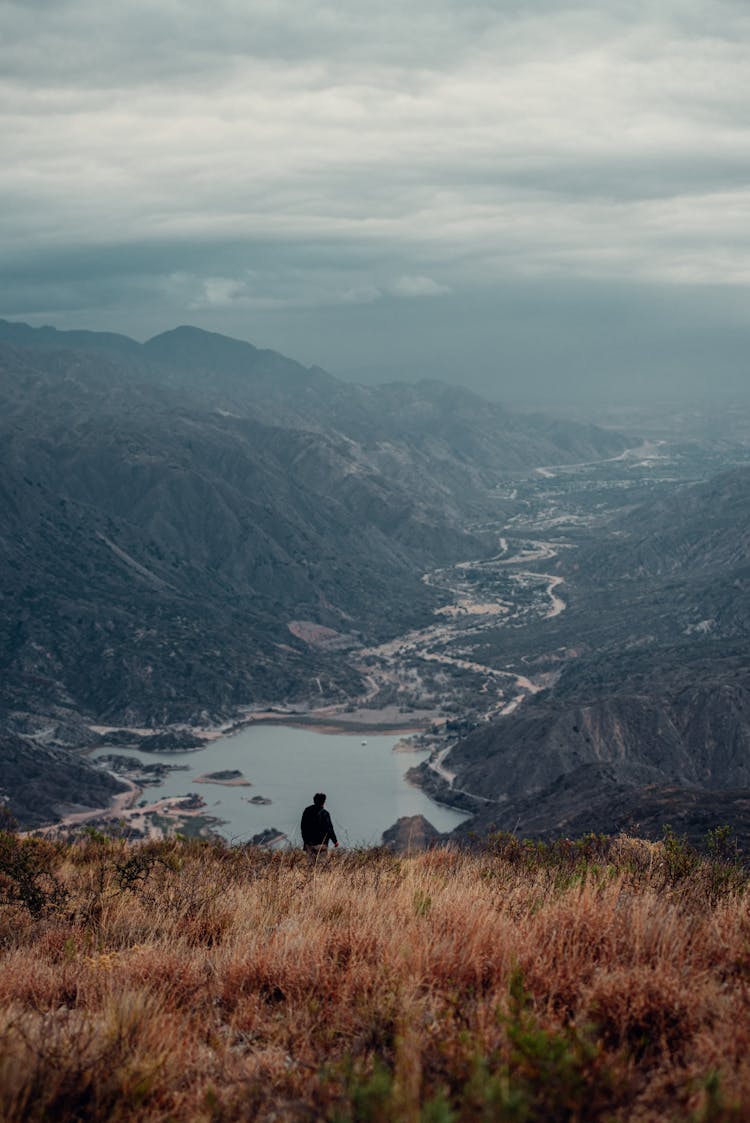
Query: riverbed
x=362, y=776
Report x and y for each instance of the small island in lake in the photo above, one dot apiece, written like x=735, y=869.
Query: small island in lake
x=232, y=777
x=269, y=837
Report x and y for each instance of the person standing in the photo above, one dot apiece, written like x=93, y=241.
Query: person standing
x=317, y=828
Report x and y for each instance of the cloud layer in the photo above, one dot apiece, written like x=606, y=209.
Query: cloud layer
x=244, y=165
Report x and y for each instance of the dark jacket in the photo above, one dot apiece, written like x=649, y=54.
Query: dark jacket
x=317, y=827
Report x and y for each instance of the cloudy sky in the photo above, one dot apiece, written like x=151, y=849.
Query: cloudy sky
x=540, y=199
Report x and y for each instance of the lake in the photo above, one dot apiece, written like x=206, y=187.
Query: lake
x=365, y=783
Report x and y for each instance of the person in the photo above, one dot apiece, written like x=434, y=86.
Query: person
x=317, y=828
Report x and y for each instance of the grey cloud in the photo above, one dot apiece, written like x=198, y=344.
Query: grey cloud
x=100, y=44
x=389, y=172
x=137, y=39
x=418, y=286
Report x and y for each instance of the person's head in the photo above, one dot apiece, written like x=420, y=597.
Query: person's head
x=319, y=799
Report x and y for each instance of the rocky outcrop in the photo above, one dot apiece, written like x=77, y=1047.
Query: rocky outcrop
x=411, y=833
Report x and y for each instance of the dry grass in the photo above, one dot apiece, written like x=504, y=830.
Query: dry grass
x=186, y=981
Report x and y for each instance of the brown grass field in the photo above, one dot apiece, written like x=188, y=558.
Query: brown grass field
x=182, y=980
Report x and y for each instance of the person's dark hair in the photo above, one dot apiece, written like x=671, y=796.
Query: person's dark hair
x=319, y=799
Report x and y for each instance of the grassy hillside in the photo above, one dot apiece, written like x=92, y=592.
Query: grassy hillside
x=604, y=980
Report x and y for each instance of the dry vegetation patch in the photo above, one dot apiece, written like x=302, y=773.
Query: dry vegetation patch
x=606, y=980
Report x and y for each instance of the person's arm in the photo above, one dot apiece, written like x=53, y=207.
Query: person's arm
x=330, y=832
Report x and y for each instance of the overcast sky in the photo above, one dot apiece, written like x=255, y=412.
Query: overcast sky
x=539, y=198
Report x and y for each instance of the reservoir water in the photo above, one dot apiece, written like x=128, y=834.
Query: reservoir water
x=365, y=783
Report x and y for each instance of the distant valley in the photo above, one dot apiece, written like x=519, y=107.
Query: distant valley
x=645, y=719
x=195, y=531
x=192, y=528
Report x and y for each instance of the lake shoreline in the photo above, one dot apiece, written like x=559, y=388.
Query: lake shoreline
x=327, y=722
x=326, y=725
x=284, y=761
x=317, y=722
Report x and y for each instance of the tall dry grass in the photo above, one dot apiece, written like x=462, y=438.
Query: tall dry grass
x=190, y=981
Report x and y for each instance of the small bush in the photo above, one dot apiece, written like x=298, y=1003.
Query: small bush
x=28, y=874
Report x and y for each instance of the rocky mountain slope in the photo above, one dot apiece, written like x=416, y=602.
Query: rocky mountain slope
x=155, y=555
x=657, y=703
x=449, y=443
x=700, y=531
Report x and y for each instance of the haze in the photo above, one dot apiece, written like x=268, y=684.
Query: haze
x=544, y=202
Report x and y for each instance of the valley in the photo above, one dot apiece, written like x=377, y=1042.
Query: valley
x=502, y=605
x=534, y=615
x=200, y=536
x=498, y=639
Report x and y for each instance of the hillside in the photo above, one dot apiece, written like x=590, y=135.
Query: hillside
x=418, y=426
x=37, y=779
x=699, y=532
x=598, y=983
x=656, y=701
x=153, y=555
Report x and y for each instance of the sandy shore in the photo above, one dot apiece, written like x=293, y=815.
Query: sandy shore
x=119, y=808
x=331, y=719
x=122, y=810
x=407, y=745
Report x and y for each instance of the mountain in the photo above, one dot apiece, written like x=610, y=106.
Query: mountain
x=595, y=800
x=698, y=532
x=155, y=555
x=18, y=334
x=682, y=728
x=430, y=417
x=177, y=518
x=450, y=444
x=657, y=703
